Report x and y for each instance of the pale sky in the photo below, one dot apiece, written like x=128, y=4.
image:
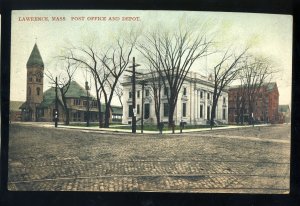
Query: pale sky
x=270, y=35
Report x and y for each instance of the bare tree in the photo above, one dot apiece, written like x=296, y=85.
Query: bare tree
x=240, y=103
x=106, y=68
x=223, y=74
x=64, y=80
x=119, y=92
x=256, y=72
x=155, y=83
x=172, y=55
x=87, y=56
x=115, y=61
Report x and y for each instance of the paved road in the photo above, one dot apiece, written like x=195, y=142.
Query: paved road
x=248, y=160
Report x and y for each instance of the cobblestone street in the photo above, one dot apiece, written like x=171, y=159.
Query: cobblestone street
x=247, y=160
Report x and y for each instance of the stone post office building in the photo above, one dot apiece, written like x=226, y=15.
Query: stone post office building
x=193, y=105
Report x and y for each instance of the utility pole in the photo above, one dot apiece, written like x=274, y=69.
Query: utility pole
x=87, y=105
x=133, y=97
x=56, y=104
x=133, y=81
x=142, y=115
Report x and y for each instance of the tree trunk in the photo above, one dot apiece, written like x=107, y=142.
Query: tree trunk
x=107, y=116
x=66, y=109
x=67, y=122
x=157, y=112
x=171, y=114
x=213, y=113
x=100, y=117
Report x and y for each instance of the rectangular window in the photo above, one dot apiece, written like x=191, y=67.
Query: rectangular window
x=138, y=109
x=208, y=113
x=208, y=95
x=138, y=94
x=166, y=109
x=76, y=117
x=147, y=111
x=184, y=109
x=76, y=102
x=147, y=92
x=130, y=95
x=201, y=94
x=224, y=100
x=201, y=111
x=130, y=112
x=224, y=114
x=184, y=91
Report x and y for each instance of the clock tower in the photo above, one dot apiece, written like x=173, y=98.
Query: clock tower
x=35, y=78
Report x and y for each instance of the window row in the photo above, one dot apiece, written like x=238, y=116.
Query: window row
x=138, y=93
x=38, y=91
x=37, y=79
x=146, y=110
x=166, y=110
x=77, y=102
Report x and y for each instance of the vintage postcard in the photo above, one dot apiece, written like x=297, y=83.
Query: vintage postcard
x=150, y=101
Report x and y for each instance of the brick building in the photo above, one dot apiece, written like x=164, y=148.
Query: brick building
x=265, y=106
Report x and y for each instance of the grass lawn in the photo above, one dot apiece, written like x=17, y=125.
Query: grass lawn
x=154, y=127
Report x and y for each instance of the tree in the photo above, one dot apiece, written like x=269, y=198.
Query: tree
x=64, y=80
x=256, y=72
x=155, y=82
x=172, y=54
x=106, y=68
x=119, y=92
x=115, y=61
x=223, y=74
x=86, y=55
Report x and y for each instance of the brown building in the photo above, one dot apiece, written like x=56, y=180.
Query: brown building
x=76, y=98
x=40, y=106
x=265, y=106
x=14, y=110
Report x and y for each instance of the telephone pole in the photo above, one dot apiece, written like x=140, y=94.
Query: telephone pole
x=87, y=104
x=133, y=81
x=133, y=97
x=56, y=104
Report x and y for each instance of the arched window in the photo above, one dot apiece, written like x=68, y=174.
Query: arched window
x=38, y=91
x=29, y=91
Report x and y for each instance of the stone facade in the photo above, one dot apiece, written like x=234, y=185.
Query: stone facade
x=34, y=85
x=193, y=105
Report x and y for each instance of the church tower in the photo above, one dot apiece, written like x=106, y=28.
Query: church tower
x=35, y=79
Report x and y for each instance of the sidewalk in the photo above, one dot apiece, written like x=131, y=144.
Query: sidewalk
x=114, y=130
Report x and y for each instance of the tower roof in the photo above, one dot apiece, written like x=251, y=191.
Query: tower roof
x=35, y=58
